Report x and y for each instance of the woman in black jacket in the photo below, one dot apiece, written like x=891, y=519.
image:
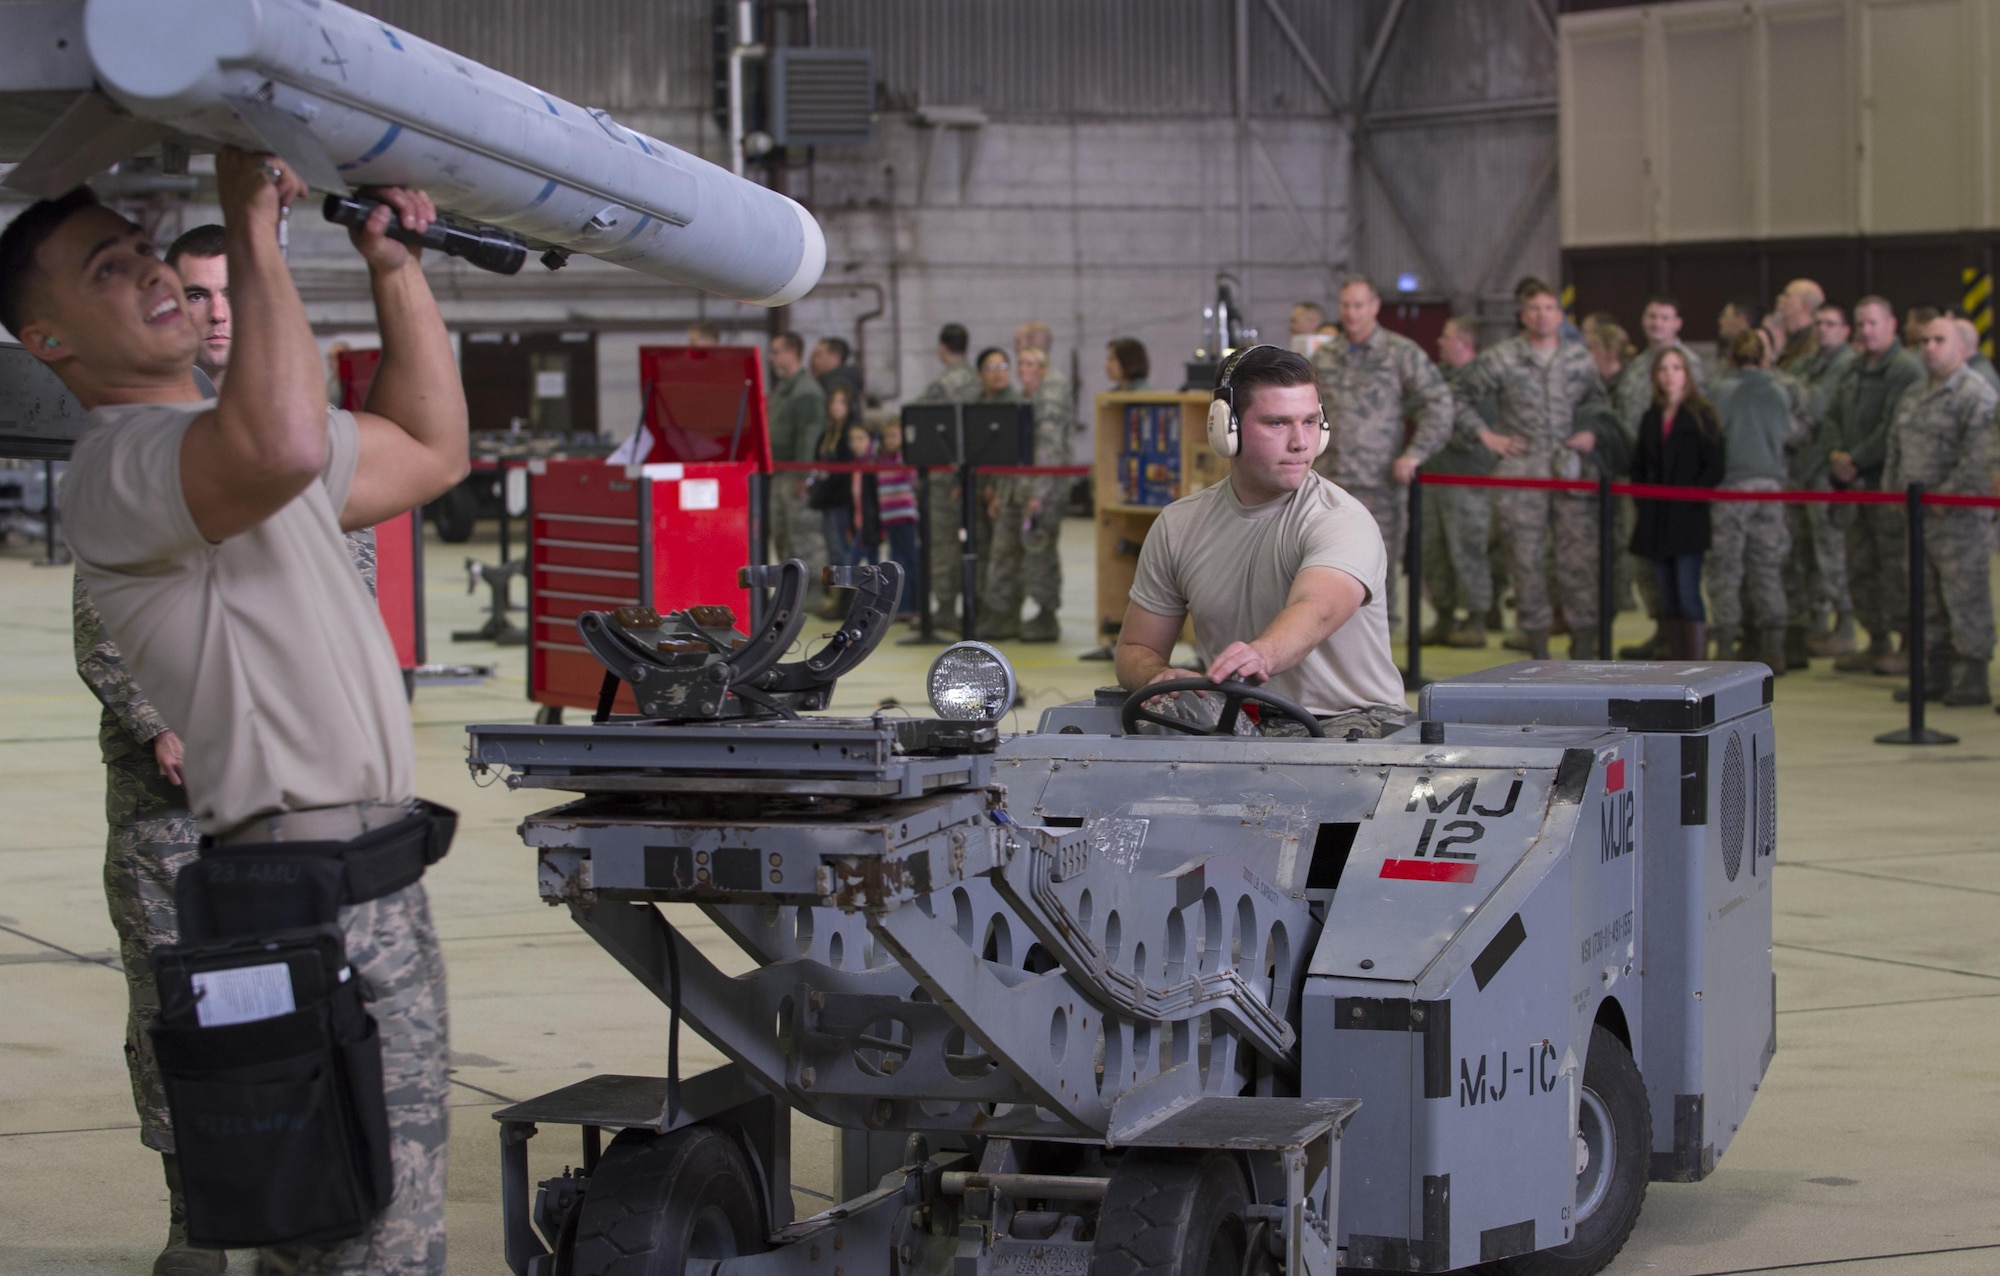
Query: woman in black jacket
x=1680, y=443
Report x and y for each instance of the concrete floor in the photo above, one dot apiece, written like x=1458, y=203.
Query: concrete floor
x=1872, y=1148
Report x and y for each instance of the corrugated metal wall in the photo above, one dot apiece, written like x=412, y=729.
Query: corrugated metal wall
x=622, y=55
x=1012, y=58
x=1462, y=124
x=1088, y=57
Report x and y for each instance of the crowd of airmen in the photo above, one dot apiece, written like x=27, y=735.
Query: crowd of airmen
x=1018, y=518
x=1872, y=407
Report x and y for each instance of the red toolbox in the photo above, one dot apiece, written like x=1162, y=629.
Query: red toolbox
x=670, y=531
x=399, y=543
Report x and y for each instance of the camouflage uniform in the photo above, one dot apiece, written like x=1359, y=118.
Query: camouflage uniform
x=1023, y=562
x=992, y=490
x=1857, y=422
x=361, y=549
x=1982, y=365
x=1458, y=521
x=797, y=417
x=958, y=383
x=1747, y=539
x=1367, y=391
x=1541, y=398
x=1816, y=572
x=1940, y=437
x=152, y=837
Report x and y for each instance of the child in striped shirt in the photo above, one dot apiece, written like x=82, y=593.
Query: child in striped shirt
x=896, y=499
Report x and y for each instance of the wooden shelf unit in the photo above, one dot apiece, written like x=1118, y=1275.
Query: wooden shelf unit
x=1122, y=523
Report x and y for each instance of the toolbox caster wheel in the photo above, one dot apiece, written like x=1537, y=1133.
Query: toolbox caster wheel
x=1172, y=1214
x=549, y=715
x=658, y=1201
x=1614, y=1142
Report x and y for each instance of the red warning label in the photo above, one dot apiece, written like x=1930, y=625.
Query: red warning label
x=1614, y=777
x=1430, y=870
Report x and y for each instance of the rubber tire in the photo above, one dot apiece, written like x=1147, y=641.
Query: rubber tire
x=1172, y=1214
x=657, y=1200
x=1609, y=1073
x=454, y=514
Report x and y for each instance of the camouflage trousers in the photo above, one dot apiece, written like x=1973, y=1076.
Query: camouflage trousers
x=1816, y=569
x=1958, y=589
x=1391, y=508
x=1021, y=559
x=141, y=859
x=947, y=566
x=1458, y=521
x=393, y=948
x=1528, y=521
x=1877, y=568
x=1747, y=544
x=797, y=531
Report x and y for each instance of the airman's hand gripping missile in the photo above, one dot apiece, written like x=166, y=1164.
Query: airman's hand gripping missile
x=350, y=101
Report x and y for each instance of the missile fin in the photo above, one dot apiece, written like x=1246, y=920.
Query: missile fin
x=92, y=135
x=291, y=141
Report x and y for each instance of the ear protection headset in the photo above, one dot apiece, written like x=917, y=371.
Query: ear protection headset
x=1225, y=428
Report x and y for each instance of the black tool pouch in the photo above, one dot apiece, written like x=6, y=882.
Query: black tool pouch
x=280, y=1123
x=280, y=1119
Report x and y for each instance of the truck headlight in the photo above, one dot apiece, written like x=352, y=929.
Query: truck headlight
x=971, y=682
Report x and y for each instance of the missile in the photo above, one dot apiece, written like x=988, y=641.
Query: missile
x=350, y=101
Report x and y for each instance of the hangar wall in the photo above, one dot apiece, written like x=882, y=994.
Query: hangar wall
x=1723, y=146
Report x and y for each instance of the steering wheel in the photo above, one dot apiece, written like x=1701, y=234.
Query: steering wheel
x=1233, y=694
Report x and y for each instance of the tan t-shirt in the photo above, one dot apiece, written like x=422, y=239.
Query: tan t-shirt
x=1231, y=568
x=264, y=652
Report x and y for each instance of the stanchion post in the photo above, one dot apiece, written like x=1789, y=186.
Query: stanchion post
x=1605, y=570
x=1913, y=636
x=759, y=518
x=968, y=550
x=1413, y=562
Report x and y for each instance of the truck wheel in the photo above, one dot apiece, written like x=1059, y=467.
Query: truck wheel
x=455, y=513
x=1172, y=1214
x=1614, y=1139
x=657, y=1201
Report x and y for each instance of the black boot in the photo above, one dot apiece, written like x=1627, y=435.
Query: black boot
x=1796, y=656
x=1694, y=643
x=1583, y=643
x=1968, y=684
x=1939, y=668
x=1538, y=643
x=1772, y=649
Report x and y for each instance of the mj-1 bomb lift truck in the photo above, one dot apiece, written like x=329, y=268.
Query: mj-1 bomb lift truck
x=1131, y=994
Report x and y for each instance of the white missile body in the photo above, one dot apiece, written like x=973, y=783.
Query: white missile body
x=350, y=101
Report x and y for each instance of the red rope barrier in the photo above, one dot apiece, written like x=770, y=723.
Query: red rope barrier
x=873, y=467
x=1668, y=492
